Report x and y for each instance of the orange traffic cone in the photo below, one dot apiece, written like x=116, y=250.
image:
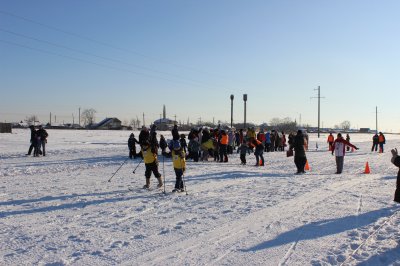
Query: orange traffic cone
x=260, y=162
x=352, y=149
x=307, y=168
x=367, y=171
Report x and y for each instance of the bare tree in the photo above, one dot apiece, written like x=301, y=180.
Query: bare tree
x=88, y=116
x=345, y=125
x=30, y=120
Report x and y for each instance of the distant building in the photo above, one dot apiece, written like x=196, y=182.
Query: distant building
x=108, y=123
x=5, y=127
x=164, y=123
x=365, y=130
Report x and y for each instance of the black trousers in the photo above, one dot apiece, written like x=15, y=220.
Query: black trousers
x=300, y=163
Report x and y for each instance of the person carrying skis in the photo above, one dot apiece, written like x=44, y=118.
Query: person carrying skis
x=132, y=146
x=179, y=163
x=339, y=148
x=396, y=161
x=151, y=163
x=330, y=141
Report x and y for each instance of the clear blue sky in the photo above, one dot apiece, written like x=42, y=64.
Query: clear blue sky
x=126, y=57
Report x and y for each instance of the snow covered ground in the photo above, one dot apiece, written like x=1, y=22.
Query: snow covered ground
x=60, y=209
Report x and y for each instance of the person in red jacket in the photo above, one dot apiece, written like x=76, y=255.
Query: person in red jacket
x=330, y=141
x=339, y=148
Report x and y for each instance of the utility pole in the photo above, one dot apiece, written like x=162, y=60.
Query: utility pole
x=143, y=120
x=79, y=116
x=232, y=96
x=73, y=120
x=376, y=120
x=50, y=118
x=245, y=100
x=319, y=107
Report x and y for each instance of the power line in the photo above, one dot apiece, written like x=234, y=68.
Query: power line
x=106, y=44
x=102, y=65
x=98, y=56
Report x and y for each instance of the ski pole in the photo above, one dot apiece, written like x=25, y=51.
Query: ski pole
x=137, y=165
x=183, y=178
x=109, y=180
x=164, y=174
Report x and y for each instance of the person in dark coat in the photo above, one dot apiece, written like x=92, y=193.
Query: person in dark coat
x=259, y=149
x=300, y=158
x=175, y=133
x=42, y=134
x=132, y=146
x=375, y=142
x=396, y=161
x=33, y=140
x=183, y=143
x=144, y=135
x=163, y=145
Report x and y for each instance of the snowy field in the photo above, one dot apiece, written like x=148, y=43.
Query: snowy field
x=60, y=209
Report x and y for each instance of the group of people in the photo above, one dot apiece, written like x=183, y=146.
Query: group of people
x=38, y=141
x=204, y=143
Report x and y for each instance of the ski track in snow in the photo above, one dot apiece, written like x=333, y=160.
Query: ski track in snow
x=60, y=209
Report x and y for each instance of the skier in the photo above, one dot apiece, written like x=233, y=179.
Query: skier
x=132, y=146
x=396, y=161
x=339, y=149
x=179, y=163
x=300, y=158
x=330, y=141
x=382, y=140
x=375, y=142
x=151, y=164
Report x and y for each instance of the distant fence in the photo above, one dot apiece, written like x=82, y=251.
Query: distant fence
x=5, y=127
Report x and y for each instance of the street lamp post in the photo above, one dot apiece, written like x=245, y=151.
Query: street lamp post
x=245, y=100
x=232, y=110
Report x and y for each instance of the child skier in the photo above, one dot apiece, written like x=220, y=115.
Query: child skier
x=179, y=163
x=151, y=164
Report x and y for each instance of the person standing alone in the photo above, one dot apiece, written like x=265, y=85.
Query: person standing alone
x=339, y=148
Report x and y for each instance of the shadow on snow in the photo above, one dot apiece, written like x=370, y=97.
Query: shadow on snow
x=323, y=228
